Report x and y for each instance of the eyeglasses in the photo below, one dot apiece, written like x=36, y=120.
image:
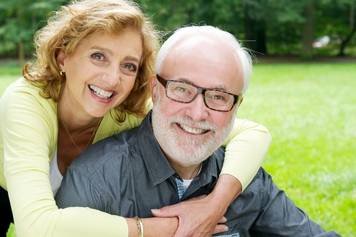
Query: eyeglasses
x=185, y=92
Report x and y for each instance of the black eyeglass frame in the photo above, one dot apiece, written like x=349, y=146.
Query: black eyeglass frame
x=201, y=90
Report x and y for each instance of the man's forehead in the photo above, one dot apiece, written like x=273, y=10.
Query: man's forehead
x=199, y=57
x=197, y=43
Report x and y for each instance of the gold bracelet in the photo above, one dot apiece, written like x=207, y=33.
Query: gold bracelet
x=139, y=225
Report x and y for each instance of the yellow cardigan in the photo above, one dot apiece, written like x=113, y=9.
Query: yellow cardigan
x=28, y=139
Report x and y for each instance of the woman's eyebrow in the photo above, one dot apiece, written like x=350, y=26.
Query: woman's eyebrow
x=132, y=58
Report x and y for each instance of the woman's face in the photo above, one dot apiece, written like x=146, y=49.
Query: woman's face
x=101, y=72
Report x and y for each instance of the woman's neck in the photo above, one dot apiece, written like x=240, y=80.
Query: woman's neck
x=76, y=131
x=74, y=119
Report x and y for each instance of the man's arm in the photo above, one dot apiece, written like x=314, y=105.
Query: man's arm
x=280, y=216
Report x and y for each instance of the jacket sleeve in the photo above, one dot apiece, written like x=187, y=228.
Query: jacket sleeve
x=26, y=134
x=281, y=217
x=246, y=147
x=78, y=190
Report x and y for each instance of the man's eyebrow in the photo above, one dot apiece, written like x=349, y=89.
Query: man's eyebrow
x=132, y=58
x=219, y=87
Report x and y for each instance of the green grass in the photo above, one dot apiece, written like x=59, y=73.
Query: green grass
x=310, y=110
x=9, y=71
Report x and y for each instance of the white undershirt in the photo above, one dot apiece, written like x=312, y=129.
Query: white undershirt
x=186, y=183
x=55, y=176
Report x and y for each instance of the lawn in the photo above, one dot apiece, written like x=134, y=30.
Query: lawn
x=310, y=110
x=9, y=71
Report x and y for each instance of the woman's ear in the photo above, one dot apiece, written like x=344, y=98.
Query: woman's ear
x=60, y=60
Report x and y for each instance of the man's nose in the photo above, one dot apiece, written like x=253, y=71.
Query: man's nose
x=197, y=109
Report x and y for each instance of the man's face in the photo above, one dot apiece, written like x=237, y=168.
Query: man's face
x=189, y=133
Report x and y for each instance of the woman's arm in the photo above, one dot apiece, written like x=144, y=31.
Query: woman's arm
x=246, y=147
x=245, y=150
x=27, y=128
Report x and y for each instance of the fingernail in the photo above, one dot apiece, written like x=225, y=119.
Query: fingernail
x=154, y=210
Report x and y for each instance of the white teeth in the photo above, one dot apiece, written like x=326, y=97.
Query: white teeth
x=100, y=92
x=192, y=130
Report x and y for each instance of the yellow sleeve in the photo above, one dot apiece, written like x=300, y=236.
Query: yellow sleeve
x=26, y=132
x=246, y=147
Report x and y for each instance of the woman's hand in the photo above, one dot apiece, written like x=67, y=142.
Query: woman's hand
x=196, y=217
x=204, y=216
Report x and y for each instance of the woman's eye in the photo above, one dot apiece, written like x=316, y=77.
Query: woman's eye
x=98, y=56
x=130, y=66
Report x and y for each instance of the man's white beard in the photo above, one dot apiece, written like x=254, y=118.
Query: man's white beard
x=191, y=149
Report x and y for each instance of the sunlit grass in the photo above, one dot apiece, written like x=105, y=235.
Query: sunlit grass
x=9, y=67
x=9, y=71
x=310, y=109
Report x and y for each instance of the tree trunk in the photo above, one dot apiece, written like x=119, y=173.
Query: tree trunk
x=248, y=28
x=255, y=33
x=349, y=37
x=308, y=31
x=261, y=42
x=21, y=53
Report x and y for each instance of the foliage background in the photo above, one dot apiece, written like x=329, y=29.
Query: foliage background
x=268, y=27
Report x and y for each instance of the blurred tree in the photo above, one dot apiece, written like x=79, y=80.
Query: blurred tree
x=337, y=20
x=308, y=29
x=19, y=20
x=256, y=16
x=168, y=15
x=267, y=27
x=352, y=23
x=285, y=25
x=341, y=15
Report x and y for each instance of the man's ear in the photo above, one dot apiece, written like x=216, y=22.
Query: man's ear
x=242, y=99
x=239, y=102
x=154, y=88
x=60, y=60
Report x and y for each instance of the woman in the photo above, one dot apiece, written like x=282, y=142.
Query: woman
x=90, y=80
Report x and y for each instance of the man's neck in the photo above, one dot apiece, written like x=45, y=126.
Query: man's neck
x=186, y=172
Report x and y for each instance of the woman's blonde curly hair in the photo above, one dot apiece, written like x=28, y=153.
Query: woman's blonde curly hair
x=71, y=24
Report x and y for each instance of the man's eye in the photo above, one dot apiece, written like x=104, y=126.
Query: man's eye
x=180, y=89
x=218, y=98
x=98, y=56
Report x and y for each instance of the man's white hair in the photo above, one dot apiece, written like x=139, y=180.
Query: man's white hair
x=185, y=33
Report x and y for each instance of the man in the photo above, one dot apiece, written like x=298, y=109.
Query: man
x=174, y=155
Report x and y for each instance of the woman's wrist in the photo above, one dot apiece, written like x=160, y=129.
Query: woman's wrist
x=154, y=226
x=226, y=190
